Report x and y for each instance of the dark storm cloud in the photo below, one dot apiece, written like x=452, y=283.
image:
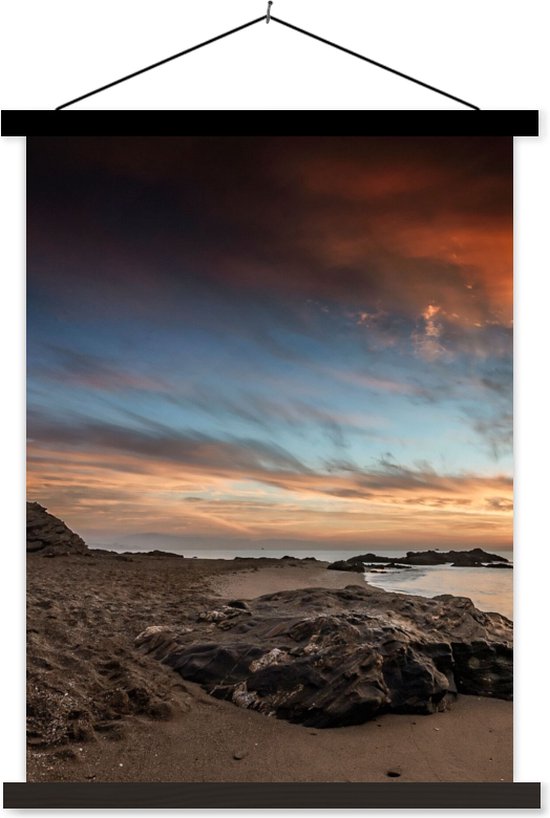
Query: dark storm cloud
x=301, y=219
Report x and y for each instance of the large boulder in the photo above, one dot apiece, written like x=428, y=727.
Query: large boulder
x=48, y=535
x=327, y=658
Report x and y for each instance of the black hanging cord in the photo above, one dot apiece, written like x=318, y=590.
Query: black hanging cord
x=160, y=62
x=267, y=17
x=374, y=62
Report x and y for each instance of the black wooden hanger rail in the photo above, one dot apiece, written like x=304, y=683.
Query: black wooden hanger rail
x=268, y=17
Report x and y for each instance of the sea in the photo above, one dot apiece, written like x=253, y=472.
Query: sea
x=490, y=589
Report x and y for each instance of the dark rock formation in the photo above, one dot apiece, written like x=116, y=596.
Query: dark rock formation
x=154, y=553
x=372, y=558
x=327, y=658
x=346, y=565
x=49, y=536
x=476, y=557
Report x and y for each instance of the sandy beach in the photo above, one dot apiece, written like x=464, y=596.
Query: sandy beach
x=101, y=711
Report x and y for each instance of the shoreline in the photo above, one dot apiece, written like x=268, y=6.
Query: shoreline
x=491, y=594
x=97, y=604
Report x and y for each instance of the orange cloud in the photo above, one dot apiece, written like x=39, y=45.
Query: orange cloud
x=391, y=506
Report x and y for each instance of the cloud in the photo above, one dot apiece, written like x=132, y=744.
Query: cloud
x=104, y=478
x=218, y=297
x=192, y=449
x=500, y=504
x=92, y=372
x=361, y=223
x=427, y=338
x=247, y=459
x=496, y=431
x=376, y=382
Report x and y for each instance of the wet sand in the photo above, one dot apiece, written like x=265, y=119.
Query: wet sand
x=281, y=575
x=121, y=716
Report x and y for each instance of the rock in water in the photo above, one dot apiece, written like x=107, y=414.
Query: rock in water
x=474, y=558
x=48, y=535
x=328, y=658
x=347, y=565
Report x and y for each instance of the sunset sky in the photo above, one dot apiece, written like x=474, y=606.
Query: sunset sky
x=272, y=341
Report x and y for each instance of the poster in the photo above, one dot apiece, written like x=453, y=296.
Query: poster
x=259, y=366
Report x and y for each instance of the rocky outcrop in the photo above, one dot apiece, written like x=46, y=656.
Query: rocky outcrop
x=327, y=658
x=476, y=558
x=49, y=536
x=347, y=565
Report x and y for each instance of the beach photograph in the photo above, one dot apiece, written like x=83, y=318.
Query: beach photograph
x=269, y=463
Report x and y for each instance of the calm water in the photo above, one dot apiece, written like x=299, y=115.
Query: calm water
x=490, y=589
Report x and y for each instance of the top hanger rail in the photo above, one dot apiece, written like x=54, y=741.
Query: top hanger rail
x=268, y=17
